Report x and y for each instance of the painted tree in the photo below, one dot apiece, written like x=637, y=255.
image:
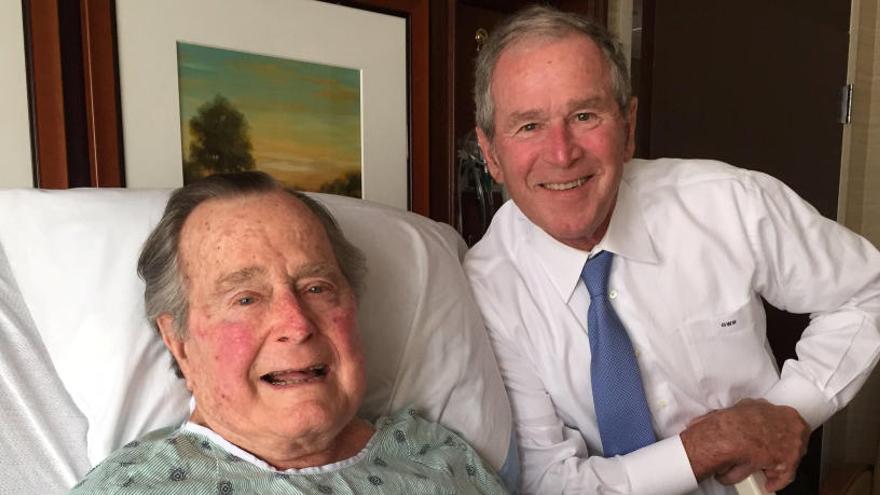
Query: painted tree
x=220, y=140
x=346, y=185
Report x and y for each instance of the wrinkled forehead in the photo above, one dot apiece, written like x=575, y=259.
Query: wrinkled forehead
x=247, y=212
x=536, y=73
x=256, y=228
x=538, y=37
x=533, y=45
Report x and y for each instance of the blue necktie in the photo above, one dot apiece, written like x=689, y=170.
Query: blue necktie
x=618, y=395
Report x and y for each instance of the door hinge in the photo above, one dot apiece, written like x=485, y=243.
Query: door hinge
x=846, y=94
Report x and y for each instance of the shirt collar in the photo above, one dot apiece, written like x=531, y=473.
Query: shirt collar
x=244, y=455
x=627, y=237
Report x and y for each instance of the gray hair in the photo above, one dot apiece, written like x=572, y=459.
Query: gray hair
x=159, y=263
x=540, y=21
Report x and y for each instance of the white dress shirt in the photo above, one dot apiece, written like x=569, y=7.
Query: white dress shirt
x=696, y=244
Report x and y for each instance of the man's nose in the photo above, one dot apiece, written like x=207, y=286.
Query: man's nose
x=562, y=148
x=292, y=322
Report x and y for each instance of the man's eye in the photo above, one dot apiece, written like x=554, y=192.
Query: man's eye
x=529, y=127
x=585, y=116
x=315, y=289
x=245, y=300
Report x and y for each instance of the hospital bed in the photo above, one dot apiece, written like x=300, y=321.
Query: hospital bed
x=82, y=372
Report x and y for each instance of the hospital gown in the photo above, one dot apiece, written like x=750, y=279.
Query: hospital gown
x=407, y=454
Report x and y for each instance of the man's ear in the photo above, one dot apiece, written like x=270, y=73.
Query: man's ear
x=175, y=344
x=489, y=155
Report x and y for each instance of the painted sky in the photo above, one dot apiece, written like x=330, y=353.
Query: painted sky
x=305, y=122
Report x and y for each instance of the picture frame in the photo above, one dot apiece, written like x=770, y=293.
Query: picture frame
x=119, y=150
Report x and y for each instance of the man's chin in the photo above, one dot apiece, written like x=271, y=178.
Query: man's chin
x=581, y=235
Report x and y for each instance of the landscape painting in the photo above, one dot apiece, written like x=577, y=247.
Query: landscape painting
x=297, y=121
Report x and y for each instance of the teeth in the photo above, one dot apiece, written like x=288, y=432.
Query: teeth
x=564, y=186
x=292, y=377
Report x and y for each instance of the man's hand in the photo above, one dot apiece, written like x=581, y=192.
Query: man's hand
x=753, y=435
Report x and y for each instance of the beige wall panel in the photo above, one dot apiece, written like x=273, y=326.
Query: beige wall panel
x=15, y=145
x=854, y=434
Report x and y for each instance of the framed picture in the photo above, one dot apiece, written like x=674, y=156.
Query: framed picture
x=378, y=47
x=15, y=151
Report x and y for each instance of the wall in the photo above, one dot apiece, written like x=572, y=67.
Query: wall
x=861, y=210
x=15, y=146
x=853, y=435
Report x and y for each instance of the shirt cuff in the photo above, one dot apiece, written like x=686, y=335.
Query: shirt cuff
x=795, y=391
x=661, y=468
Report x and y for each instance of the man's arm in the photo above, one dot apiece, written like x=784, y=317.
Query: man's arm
x=806, y=264
x=729, y=443
x=810, y=264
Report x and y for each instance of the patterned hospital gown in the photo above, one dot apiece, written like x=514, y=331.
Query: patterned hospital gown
x=406, y=455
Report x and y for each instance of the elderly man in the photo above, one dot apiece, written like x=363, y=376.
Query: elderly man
x=253, y=290
x=623, y=297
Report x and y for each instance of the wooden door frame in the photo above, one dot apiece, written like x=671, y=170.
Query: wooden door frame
x=43, y=56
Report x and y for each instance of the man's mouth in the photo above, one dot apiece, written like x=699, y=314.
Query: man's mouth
x=296, y=377
x=564, y=186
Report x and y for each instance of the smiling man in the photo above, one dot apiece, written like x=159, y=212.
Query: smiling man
x=253, y=288
x=623, y=297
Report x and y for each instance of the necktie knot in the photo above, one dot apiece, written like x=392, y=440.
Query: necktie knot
x=595, y=274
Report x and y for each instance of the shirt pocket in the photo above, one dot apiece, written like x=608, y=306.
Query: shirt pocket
x=731, y=355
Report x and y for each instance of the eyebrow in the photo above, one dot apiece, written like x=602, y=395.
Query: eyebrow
x=517, y=117
x=238, y=277
x=312, y=269
x=594, y=101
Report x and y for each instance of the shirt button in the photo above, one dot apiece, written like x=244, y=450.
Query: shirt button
x=662, y=404
x=637, y=352
x=612, y=294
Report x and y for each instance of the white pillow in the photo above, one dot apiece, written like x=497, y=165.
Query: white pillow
x=424, y=337
x=73, y=254
x=30, y=387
